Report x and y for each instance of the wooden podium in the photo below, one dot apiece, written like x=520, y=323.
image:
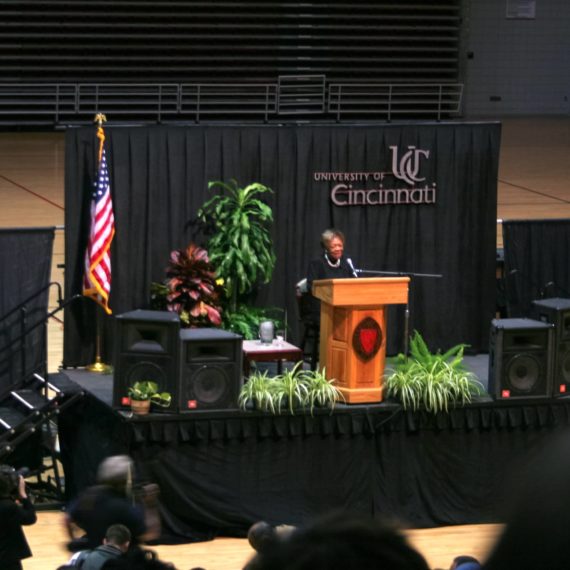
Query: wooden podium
x=353, y=332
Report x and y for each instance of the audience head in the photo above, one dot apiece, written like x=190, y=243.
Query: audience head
x=116, y=471
x=261, y=535
x=465, y=563
x=332, y=241
x=138, y=559
x=341, y=542
x=537, y=522
x=118, y=535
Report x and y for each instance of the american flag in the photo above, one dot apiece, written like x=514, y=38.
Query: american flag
x=97, y=276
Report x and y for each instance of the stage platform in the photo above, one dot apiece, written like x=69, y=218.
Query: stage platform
x=101, y=385
x=220, y=471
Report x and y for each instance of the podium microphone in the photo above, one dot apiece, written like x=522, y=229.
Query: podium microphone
x=349, y=261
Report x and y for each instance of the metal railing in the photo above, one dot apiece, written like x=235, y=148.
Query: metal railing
x=437, y=100
x=69, y=103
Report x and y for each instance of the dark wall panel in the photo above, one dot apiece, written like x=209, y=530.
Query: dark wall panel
x=25, y=266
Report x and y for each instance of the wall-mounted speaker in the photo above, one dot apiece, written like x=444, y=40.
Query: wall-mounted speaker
x=557, y=312
x=520, y=359
x=210, y=369
x=146, y=348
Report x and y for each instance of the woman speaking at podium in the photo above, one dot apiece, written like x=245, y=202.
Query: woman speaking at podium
x=331, y=264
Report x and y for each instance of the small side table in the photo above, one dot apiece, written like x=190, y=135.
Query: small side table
x=255, y=351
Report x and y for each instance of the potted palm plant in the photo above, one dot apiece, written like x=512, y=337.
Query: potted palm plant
x=145, y=392
x=241, y=247
x=435, y=381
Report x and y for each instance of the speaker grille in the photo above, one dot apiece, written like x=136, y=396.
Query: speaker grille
x=137, y=367
x=523, y=373
x=210, y=385
x=143, y=370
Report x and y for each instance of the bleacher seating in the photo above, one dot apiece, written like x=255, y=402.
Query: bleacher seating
x=57, y=53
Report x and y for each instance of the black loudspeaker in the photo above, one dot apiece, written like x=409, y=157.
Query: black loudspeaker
x=210, y=369
x=146, y=348
x=520, y=359
x=557, y=312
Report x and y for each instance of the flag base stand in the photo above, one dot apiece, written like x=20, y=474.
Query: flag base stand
x=99, y=367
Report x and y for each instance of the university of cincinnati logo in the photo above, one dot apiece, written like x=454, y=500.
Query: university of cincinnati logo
x=406, y=168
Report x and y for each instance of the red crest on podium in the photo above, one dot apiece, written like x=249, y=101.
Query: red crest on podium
x=367, y=338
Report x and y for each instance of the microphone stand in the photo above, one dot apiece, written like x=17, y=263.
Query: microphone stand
x=407, y=308
x=557, y=287
x=541, y=290
x=400, y=273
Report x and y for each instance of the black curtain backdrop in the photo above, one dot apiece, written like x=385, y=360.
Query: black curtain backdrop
x=25, y=262
x=159, y=177
x=219, y=472
x=536, y=262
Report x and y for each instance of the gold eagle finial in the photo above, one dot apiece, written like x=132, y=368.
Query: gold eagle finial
x=100, y=119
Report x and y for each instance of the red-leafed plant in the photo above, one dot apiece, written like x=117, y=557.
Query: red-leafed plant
x=192, y=289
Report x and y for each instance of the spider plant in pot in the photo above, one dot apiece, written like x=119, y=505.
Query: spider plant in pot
x=436, y=381
x=321, y=391
x=145, y=392
x=289, y=390
x=257, y=392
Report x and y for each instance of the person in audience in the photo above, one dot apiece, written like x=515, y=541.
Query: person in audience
x=111, y=502
x=261, y=535
x=340, y=542
x=138, y=559
x=465, y=563
x=16, y=510
x=115, y=544
x=535, y=535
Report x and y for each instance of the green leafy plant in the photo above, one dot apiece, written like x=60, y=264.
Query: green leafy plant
x=148, y=390
x=245, y=320
x=293, y=389
x=257, y=391
x=240, y=248
x=158, y=294
x=289, y=389
x=436, y=381
x=320, y=391
x=192, y=291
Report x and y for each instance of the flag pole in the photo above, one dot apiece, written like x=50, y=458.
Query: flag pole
x=99, y=367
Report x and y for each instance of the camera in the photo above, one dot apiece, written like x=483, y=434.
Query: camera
x=10, y=480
